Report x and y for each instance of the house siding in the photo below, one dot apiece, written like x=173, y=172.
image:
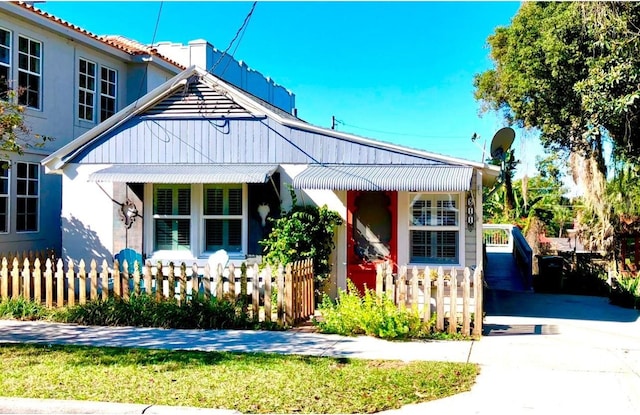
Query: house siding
x=178, y=141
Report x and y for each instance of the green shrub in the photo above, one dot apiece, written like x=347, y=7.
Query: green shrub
x=625, y=292
x=376, y=316
x=145, y=311
x=22, y=309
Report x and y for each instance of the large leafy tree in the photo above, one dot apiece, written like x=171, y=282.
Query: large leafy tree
x=571, y=71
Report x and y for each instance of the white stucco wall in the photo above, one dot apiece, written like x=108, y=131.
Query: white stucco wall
x=87, y=215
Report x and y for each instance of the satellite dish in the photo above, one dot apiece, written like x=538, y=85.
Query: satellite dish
x=501, y=142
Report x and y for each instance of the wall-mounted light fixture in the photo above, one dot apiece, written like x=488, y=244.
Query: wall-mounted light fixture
x=263, y=211
x=128, y=213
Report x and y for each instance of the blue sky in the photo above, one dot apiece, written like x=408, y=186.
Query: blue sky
x=400, y=72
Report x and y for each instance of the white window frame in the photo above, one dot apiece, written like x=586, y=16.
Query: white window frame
x=225, y=188
x=23, y=98
x=197, y=231
x=5, y=175
x=434, y=226
x=7, y=65
x=85, y=105
x=28, y=196
x=106, y=95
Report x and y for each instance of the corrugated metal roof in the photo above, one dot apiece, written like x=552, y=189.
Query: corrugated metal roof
x=423, y=178
x=185, y=173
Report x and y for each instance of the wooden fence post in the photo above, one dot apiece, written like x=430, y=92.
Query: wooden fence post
x=60, y=283
x=255, y=292
x=266, y=275
x=401, y=290
x=183, y=287
x=26, y=279
x=206, y=281
x=104, y=276
x=219, y=273
x=477, y=288
x=426, y=312
x=137, y=267
x=37, y=282
x=15, y=279
x=4, y=276
x=232, y=282
x=466, y=317
x=440, y=300
x=117, y=280
x=280, y=280
x=125, y=280
x=93, y=277
x=71, y=291
x=390, y=289
x=379, y=280
x=147, y=278
x=48, y=275
x=82, y=282
x=288, y=297
x=171, y=282
x=414, y=287
x=243, y=288
x=160, y=279
x=453, y=302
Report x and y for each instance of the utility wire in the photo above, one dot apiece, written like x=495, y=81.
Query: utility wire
x=235, y=49
x=394, y=132
x=244, y=23
x=146, y=68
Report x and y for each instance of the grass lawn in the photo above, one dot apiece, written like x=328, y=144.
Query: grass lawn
x=249, y=383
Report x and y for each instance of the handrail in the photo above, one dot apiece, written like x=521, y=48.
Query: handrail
x=508, y=238
x=523, y=254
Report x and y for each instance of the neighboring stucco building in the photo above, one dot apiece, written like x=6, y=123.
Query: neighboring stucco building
x=74, y=80
x=197, y=157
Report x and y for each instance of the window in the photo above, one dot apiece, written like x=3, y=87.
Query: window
x=222, y=217
x=29, y=72
x=4, y=196
x=86, y=88
x=107, y=93
x=5, y=61
x=27, y=190
x=434, y=228
x=172, y=217
x=89, y=88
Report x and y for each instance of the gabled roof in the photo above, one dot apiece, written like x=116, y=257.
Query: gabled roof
x=120, y=43
x=251, y=107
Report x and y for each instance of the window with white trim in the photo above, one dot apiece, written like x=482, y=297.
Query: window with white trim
x=29, y=72
x=222, y=215
x=5, y=61
x=172, y=217
x=434, y=228
x=4, y=196
x=108, y=83
x=86, y=89
x=27, y=196
x=89, y=87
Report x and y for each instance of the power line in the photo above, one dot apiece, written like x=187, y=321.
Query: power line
x=146, y=68
x=244, y=23
x=394, y=132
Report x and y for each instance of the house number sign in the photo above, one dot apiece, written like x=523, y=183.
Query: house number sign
x=470, y=212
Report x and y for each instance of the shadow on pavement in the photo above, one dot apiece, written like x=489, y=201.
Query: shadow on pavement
x=559, y=306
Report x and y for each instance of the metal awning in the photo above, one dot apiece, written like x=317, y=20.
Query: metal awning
x=420, y=178
x=185, y=173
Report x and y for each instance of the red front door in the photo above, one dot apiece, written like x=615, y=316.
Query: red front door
x=371, y=234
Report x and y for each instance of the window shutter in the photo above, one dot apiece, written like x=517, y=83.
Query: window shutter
x=164, y=201
x=235, y=202
x=184, y=201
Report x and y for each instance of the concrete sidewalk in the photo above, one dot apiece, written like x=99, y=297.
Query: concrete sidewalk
x=543, y=354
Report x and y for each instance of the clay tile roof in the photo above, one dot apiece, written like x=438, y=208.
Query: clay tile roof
x=119, y=42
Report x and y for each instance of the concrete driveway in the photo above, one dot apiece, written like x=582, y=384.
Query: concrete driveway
x=546, y=353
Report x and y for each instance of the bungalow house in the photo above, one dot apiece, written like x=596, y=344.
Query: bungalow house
x=191, y=168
